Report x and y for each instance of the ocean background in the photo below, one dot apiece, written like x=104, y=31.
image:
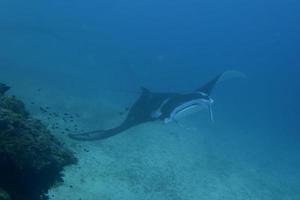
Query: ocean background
x=91, y=58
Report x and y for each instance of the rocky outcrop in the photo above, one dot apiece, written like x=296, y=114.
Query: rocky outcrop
x=31, y=159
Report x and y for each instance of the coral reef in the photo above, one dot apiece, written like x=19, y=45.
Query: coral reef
x=31, y=159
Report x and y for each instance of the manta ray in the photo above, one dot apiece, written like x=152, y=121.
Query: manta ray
x=153, y=106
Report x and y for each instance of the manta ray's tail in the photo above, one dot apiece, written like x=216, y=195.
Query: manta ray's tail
x=208, y=87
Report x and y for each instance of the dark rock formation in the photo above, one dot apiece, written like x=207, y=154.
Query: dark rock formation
x=31, y=159
x=3, y=88
x=14, y=105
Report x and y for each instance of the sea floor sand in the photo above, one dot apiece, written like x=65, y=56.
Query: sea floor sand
x=151, y=161
x=167, y=162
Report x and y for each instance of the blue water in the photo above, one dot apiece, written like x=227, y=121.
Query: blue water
x=80, y=48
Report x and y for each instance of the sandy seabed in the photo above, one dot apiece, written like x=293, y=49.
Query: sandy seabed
x=158, y=161
x=151, y=161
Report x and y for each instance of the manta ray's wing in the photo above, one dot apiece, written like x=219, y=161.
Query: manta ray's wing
x=209, y=86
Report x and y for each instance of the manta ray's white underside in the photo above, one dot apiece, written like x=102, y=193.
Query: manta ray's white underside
x=189, y=108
